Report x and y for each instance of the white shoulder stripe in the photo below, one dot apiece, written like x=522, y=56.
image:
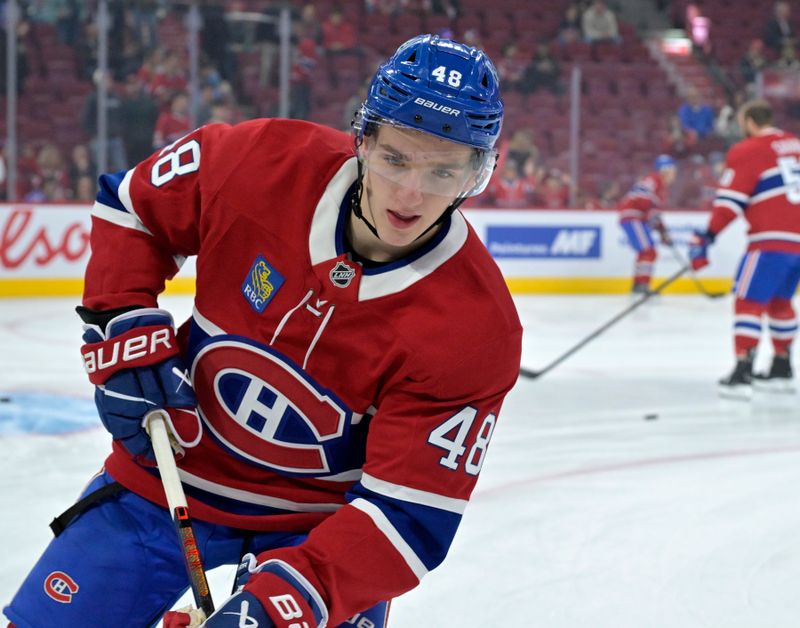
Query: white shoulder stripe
x=406, y=494
x=776, y=191
x=206, y=325
x=390, y=532
x=117, y=217
x=741, y=196
x=721, y=202
x=124, y=193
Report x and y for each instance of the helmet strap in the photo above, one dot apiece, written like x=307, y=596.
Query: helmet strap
x=355, y=200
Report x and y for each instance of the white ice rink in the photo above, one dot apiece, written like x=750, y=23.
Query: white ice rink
x=587, y=515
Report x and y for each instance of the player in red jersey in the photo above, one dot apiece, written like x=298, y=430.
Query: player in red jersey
x=761, y=182
x=350, y=347
x=639, y=216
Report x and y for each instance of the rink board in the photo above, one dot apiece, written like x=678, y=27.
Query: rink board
x=44, y=250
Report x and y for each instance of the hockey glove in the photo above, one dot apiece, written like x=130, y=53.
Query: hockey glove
x=135, y=366
x=269, y=595
x=698, y=248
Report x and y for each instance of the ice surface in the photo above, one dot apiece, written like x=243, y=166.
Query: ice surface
x=586, y=515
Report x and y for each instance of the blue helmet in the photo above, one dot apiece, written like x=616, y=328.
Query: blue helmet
x=440, y=87
x=663, y=161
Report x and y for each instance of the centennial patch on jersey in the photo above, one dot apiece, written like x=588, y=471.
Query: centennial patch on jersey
x=341, y=275
x=261, y=284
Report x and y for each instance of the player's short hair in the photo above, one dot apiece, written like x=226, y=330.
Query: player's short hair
x=758, y=110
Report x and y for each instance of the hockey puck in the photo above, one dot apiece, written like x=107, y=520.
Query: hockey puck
x=650, y=417
x=5, y=399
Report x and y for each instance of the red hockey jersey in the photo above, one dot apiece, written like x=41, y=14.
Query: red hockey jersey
x=761, y=182
x=646, y=196
x=355, y=400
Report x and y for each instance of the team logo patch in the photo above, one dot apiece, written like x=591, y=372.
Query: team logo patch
x=341, y=275
x=60, y=587
x=261, y=284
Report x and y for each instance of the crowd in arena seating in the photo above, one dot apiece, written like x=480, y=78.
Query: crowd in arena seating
x=334, y=48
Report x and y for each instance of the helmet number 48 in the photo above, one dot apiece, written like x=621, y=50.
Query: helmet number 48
x=452, y=78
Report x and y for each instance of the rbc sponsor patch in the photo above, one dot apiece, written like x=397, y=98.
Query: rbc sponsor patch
x=261, y=284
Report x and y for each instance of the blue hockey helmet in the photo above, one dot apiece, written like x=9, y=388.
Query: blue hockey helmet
x=663, y=161
x=441, y=87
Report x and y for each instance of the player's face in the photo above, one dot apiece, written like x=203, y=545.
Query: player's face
x=410, y=179
x=668, y=175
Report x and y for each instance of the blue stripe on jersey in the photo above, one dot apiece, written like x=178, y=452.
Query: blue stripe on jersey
x=428, y=531
x=746, y=325
x=108, y=192
x=788, y=326
x=770, y=183
x=721, y=196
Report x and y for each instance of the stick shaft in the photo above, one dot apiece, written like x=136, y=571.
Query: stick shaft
x=531, y=374
x=176, y=501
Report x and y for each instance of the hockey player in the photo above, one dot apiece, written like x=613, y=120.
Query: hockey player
x=761, y=182
x=349, y=350
x=639, y=216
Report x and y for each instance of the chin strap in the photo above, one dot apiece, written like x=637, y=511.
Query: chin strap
x=355, y=206
x=355, y=200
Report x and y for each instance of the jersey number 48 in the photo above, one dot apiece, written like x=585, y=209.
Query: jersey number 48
x=452, y=434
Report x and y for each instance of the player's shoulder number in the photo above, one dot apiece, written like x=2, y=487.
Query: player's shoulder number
x=452, y=436
x=180, y=157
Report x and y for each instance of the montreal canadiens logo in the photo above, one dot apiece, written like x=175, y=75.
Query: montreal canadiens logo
x=342, y=274
x=60, y=587
x=263, y=410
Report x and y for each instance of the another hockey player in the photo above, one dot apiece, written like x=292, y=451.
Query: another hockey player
x=640, y=216
x=761, y=182
x=349, y=350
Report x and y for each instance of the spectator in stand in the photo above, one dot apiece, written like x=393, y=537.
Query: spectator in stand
x=778, y=29
x=146, y=74
x=450, y=8
x=788, y=61
x=569, y=28
x=139, y=115
x=338, y=39
x=599, y=23
x=86, y=49
x=510, y=189
x=85, y=189
x=174, y=123
x=311, y=23
x=115, y=145
x=521, y=148
x=673, y=139
x=752, y=62
x=511, y=67
x=543, y=71
x=610, y=192
x=27, y=168
x=726, y=124
x=52, y=168
x=81, y=165
x=385, y=7
x=697, y=117
x=302, y=72
x=553, y=193
x=169, y=80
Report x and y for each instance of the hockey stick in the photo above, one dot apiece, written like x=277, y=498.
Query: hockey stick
x=176, y=500
x=683, y=262
x=532, y=374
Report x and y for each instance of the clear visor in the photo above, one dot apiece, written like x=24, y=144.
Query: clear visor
x=455, y=170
